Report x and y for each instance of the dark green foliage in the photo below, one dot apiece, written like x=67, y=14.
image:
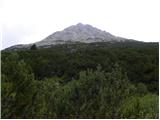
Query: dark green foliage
x=17, y=88
x=97, y=80
x=140, y=60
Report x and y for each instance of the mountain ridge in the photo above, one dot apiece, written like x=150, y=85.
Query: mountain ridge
x=84, y=33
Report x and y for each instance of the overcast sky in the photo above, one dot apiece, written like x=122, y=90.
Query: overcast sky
x=28, y=21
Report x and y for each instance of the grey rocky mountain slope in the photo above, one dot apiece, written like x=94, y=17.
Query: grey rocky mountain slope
x=79, y=33
x=76, y=33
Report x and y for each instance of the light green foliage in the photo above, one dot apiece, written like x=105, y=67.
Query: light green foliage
x=141, y=107
x=114, y=90
x=95, y=94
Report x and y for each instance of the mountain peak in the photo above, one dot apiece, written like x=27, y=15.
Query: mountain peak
x=79, y=33
x=79, y=24
x=78, y=27
x=83, y=25
x=83, y=33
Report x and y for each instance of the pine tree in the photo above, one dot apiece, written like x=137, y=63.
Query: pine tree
x=33, y=47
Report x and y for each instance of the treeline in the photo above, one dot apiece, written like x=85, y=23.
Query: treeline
x=98, y=80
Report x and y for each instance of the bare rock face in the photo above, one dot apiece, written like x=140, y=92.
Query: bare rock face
x=83, y=33
x=79, y=33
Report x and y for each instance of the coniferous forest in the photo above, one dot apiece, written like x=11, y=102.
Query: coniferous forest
x=96, y=80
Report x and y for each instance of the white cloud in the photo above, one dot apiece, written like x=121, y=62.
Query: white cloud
x=137, y=19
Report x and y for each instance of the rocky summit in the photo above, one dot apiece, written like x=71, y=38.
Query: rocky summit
x=79, y=33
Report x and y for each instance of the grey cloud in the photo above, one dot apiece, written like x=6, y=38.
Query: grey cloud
x=11, y=35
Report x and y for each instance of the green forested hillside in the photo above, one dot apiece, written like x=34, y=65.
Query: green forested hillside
x=96, y=80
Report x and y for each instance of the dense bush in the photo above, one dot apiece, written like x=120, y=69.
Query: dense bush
x=98, y=80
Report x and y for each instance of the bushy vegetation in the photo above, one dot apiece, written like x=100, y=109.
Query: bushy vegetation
x=97, y=80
